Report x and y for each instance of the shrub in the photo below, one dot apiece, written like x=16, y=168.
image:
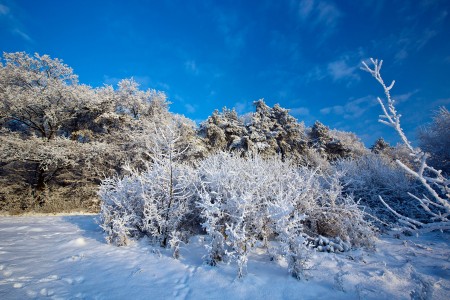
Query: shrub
x=375, y=175
x=249, y=202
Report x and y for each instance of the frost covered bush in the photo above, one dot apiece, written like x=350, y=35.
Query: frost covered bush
x=334, y=213
x=252, y=202
x=155, y=202
x=375, y=175
x=121, y=209
x=233, y=194
x=152, y=203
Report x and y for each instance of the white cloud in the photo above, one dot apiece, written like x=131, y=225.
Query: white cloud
x=190, y=108
x=441, y=102
x=352, y=109
x=233, y=30
x=340, y=69
x=111, y=80
x=318, y=13
x=144, y=81
x=410, y=41
x=162, y=85
x=4, y=10
x=22, y=34
x=315, y=74
x=305, y=8
x=345, y=68
x=356, y=108
x=243, y=107
x=299, y=111
x=327, y=13
x=13, y=24
x=416, y=33
x=404, y=97
x=191, y=67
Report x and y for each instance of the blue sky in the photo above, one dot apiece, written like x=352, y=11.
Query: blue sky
x=303, y=54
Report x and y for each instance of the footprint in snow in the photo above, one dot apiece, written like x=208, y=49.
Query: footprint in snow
x=68, y=280
x=49, y=278
x=135, y=272
x=181, y=289
x=46, y=292
x=72, y=258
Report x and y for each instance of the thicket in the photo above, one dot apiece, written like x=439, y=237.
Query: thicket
x=263, y=180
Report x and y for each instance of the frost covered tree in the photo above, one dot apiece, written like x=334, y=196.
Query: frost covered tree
x=41, y=173
x=40, y=99
x=136, y=102
x=224, y=131
x=273, y=131
x=436, y=200
x=345, y=145
x=38, y=93
x=268, y=132
x=380, y=146
x=47, y=118
x=334, y=144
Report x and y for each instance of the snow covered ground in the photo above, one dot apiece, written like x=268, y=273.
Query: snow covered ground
x=66, y=257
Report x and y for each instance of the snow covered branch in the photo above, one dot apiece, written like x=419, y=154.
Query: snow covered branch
x=437, y=186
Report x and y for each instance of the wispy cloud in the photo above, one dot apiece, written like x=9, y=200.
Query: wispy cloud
x=411, y=41
x=318, y=13
x=4, y=10
x=22, y=34
x=352, y=109
x=233, y=30
x=111, y=80
x=191, y=67
x=346, y=67
x=12, y=23
x=243, y=107
x=190, y=108
x=315, y=74
x=404, y=97
x=299, y=111
x=341, y=69
x=418, y=29
x=305, y=8
x=441, y=102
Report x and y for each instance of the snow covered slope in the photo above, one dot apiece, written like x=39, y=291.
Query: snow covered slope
x=66, y=257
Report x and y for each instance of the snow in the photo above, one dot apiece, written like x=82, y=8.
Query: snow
x=66, y=257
